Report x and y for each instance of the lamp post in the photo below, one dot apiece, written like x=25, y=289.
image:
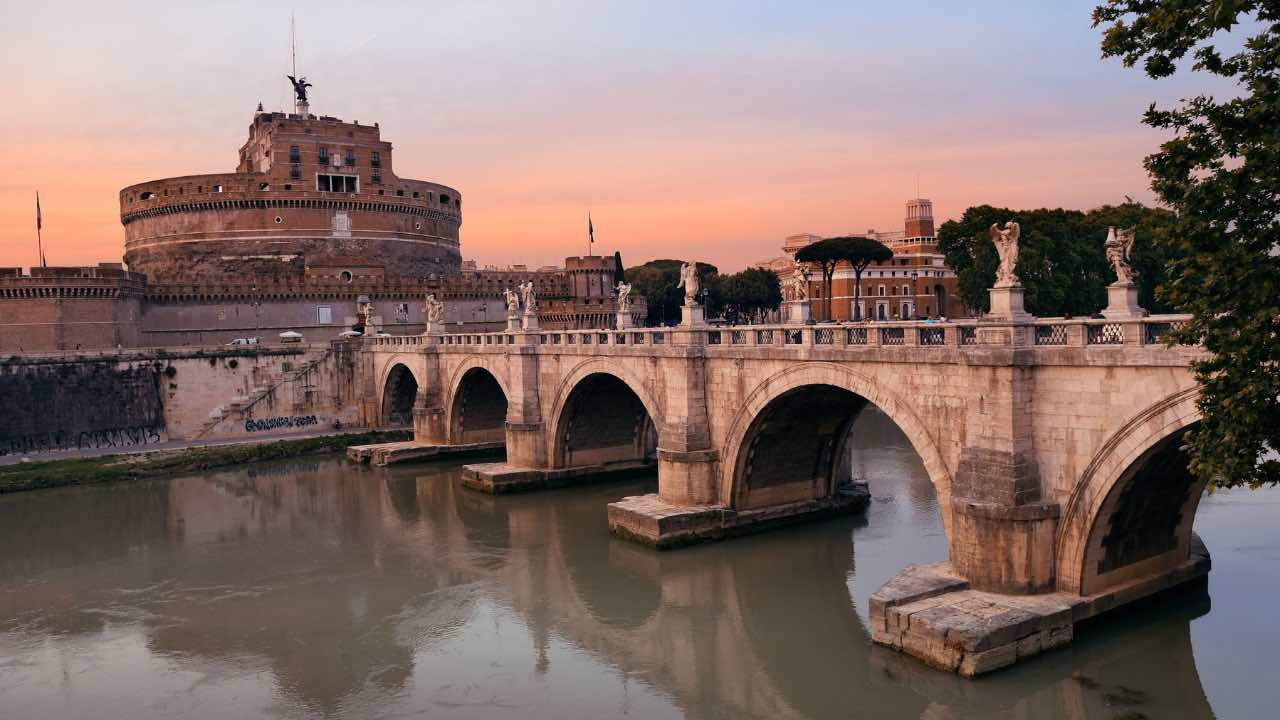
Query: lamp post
x=914, y=294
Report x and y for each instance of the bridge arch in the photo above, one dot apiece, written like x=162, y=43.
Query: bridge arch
x=1131, y=513
x=477, y=404
x=619, y=411
x=840, y=393
x=398, y=390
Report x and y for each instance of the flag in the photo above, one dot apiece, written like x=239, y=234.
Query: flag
x=39, y=224
x=37, y=210
x=591, y=231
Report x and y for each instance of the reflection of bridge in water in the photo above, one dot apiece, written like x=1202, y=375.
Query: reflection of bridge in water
x=340, y=587
x=1053, y=446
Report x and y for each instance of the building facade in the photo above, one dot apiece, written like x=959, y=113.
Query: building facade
x=306, y=190
x=915, y=283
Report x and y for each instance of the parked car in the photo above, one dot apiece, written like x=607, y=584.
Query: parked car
x=244, y=341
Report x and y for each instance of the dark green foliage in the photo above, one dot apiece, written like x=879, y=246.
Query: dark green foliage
x=744, y=296
x=1220, y=172
x=657, y=281
x=858, y=252
x=1062, y=262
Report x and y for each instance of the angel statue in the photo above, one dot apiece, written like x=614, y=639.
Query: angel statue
x=528, y=297
x=300, y=86
x=690, y=282
x=1006, y=242
x=624, y=296
x=513, y=302
x=1119, y=246
x=800, y=282
x=435, y=311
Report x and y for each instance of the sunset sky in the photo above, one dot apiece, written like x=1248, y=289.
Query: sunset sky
x=688, y=129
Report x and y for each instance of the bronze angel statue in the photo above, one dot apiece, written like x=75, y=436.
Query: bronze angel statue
x=300, y=86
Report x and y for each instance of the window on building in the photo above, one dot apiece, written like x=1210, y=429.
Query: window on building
x=906, y=290
x=375, y=159
x=146, y=195
x=881, y=292
x=893, y=290
x=377, y=176
x=295, y=171
x=324, y=156
x=926, y=290
x=415, y=193
x=444, y=199
x=217, y=188
x=324, y=315
x=351, y=156
x=336, y=183
x=294, y=156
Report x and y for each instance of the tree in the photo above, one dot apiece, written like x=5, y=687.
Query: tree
x=743, y=294
x=1062, y=263
x=859, y=252
x=1219, y=174
x=619, y=274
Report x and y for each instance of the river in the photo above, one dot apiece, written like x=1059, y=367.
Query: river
x=316, y=588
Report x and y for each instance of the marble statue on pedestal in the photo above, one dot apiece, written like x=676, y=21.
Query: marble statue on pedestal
x=1006, y=242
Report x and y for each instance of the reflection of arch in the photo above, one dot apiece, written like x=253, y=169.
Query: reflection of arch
x=837, y=376
x=400, y=390
x=1123, y=476
x=478, y=408
x=585, y=432
x=616, y=593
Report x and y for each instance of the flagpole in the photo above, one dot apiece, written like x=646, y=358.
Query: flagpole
x=39, y=237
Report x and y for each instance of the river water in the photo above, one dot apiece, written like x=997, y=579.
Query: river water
x=316, y=588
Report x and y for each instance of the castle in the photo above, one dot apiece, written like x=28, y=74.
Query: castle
x=314, y=223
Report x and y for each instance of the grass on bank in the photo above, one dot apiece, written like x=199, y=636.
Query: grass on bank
x=20, y=477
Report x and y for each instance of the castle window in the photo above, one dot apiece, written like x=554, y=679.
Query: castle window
x=199, y=188
x=336, y=183
x=295, y=171
x=881, y=293
x=345, y=276
x=444, y=199
x=146, y=196
x=217, y=188
x=279, y=219
x=324, y=315
x=288, y=186
x=375, y=159
x=293, y=154
x=415, y=193
x=377, y=176
x=399, y=193
x=324, y=156
x=264, y=186
x=351, y=157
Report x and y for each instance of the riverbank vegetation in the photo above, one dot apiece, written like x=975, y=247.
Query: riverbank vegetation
x=165, y=463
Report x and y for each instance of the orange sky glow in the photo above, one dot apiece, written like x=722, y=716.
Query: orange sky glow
x=708, y=132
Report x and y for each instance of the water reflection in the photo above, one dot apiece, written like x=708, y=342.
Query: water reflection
x=325, y=589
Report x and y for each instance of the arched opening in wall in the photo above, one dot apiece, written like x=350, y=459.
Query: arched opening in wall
x=398, y=397
x=813, y=440
x=479, y=410
x=940, y=299
x=604, y=421
x=1143, y=526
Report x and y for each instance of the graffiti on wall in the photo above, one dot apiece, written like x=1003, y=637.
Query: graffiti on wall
x=276, y=423
x=127, y=437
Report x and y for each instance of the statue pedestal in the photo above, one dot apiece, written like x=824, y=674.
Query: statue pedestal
x=692, y=317
x=1122, y=302
x=1006, y=304
x=530, y=321
x=433, y=330
x=513, y=323
x=798, y=313
x=624, y=321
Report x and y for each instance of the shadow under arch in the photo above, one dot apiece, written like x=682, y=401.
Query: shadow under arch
x=478, y=408
x=600, y=416
x=399, y=391
x=805, y=411
x=1132, y=512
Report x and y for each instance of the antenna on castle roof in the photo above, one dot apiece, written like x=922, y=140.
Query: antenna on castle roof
x=300, y=84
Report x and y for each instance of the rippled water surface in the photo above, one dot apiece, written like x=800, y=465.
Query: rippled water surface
x=320, y=589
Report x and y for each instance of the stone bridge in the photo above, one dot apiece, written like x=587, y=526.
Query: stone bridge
x=1053, y=445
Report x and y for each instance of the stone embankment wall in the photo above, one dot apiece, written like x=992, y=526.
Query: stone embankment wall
x=130, y=399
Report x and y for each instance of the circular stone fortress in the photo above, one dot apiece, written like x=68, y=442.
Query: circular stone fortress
x=309, y=191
